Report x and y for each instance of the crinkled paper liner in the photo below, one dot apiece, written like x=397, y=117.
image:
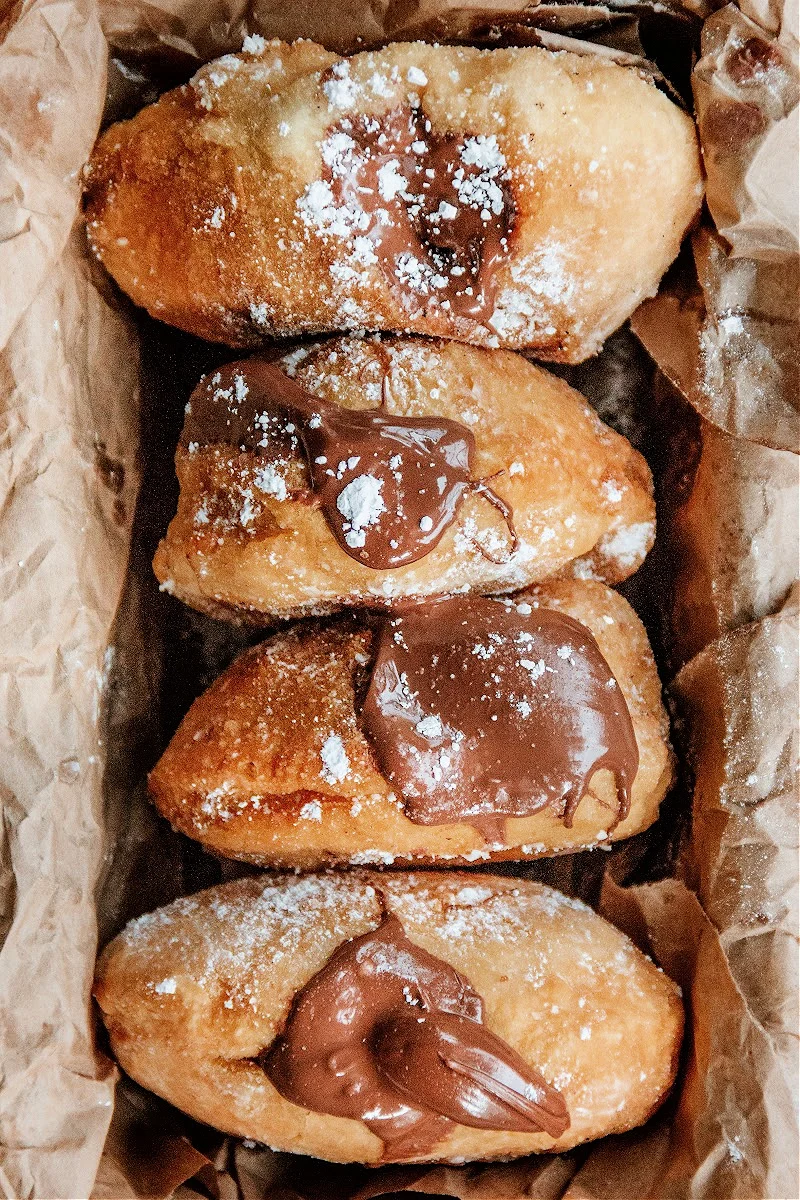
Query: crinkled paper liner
x=87, y=645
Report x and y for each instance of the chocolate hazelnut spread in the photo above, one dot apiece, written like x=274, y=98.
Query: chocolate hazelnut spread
x=388, y=485
x=480, y=709
x=437, y=212
x=388, y=1034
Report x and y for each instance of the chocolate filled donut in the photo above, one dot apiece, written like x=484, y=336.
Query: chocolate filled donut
x=392, y=1017
x=512, y=198
x=459, y=730
x=370, y=472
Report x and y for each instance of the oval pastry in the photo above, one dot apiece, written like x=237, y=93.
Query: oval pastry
x=461, y=730
x=512, y=197
x=392, y=1018
x=367, y=472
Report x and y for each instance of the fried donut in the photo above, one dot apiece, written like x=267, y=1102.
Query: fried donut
x=281, y=762
x=376, y=1017
x=514, y=198
x=384, y=471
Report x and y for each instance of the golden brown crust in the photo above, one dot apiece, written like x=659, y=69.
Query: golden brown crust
x=245, y=775
x=191, y=993
x=578, y=491
x=193, y=204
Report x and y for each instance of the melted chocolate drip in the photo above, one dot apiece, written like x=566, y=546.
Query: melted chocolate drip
x=440, y=211
x=389, y=486
x=392, y=1036
x=480, y=709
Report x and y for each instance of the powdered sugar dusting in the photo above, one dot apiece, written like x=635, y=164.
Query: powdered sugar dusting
x=629, y=545
x=477, y=913
x=240, y=930
x=543, y=283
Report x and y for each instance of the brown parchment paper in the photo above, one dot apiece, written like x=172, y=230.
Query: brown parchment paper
x=739, y=565
x=729, y=339
x=68, y=485
x=92, y=659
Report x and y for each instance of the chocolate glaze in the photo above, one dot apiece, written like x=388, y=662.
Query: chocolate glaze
x=392, y=1036
x=440, y=239
x=389, y=486
x=481, y=709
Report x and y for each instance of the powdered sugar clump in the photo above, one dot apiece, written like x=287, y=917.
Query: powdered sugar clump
x=472, y=895
x=483, y=152
x=318, y=209
x=340, y=90
x=430, y=727
x=259, y=315
x=337, y=152
x=335, y=763
x=254, y=43
x=312, y=811
x=731, y=324
x=535, y=669
x=481, y=191
x=268, y=479
x=390, y=181
x=361, y=504
x=417, y=275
